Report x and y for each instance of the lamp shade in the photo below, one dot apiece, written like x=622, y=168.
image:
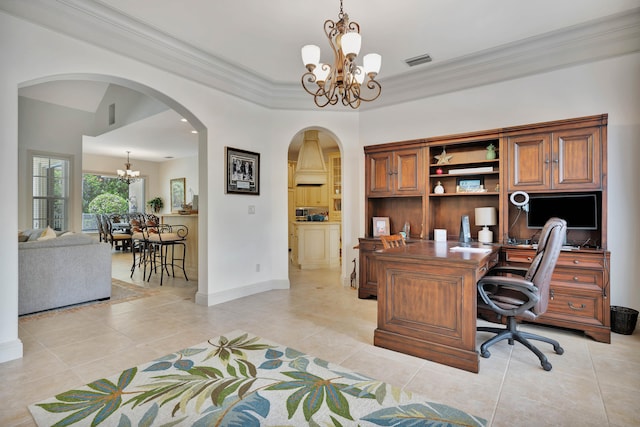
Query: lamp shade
x=310, y=54
x=350, y=43
x=372, y=63
x=486, y=216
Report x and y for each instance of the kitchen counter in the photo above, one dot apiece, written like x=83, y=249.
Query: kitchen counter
x=316, y=244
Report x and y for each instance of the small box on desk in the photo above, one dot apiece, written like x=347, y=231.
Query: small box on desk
x=440, y=235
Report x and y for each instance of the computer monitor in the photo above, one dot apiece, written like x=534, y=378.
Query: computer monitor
x=579, y=210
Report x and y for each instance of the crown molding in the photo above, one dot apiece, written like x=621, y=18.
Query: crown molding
x=98, y=24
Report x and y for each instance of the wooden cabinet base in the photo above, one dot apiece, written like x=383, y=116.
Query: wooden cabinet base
x=451, y=356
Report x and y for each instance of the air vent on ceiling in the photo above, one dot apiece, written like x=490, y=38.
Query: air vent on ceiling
x=417, y=60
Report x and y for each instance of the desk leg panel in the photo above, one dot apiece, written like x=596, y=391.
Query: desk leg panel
x=428, y=311
x=450, y=356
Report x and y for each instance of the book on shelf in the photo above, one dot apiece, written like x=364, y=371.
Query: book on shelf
x=468, y=171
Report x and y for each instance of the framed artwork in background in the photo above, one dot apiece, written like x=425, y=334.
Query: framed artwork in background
x=242, y=172
x=177, y=191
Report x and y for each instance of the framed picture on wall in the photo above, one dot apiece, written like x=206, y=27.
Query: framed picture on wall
x=177, y=186
x=242, y=172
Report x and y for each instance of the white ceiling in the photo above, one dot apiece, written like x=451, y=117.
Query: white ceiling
x=251, y=48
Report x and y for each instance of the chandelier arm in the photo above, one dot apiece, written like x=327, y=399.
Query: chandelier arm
x=372, y=85
x=309, y=77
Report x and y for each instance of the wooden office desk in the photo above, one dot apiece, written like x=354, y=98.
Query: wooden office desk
x=427, y=301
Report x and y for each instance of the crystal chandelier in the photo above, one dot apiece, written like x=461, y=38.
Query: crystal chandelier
x=128, y=175
x=344, y=80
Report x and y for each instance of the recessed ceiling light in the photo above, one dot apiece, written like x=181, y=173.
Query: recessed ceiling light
x=183, y=120
x=194, y=131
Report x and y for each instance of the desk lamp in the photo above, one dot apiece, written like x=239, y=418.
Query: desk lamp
x=485, y=217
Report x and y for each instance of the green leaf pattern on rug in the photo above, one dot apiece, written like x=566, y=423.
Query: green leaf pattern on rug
x=243, y=381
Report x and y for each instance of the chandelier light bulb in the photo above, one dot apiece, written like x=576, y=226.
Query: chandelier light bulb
x=350, y=43
x=359, y=75
x=372, y=63
x=321, y=72
x=310, y=56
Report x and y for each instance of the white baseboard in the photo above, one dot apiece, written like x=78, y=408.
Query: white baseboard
x=10, y=350
x=232, y=294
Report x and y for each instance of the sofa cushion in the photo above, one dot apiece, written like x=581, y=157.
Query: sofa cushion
x=47, y=234
x=65, y=240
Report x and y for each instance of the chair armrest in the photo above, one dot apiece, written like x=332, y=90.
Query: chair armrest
x=491, y=285
x=520, y=271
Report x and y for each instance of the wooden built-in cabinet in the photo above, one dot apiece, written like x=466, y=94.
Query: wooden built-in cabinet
x=399, y=172
x=579, y=292
x=563, y=160
x=552, y=158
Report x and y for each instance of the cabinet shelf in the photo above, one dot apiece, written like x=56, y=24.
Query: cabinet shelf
x=477, y=162
x=446, y=175
x=483, y=193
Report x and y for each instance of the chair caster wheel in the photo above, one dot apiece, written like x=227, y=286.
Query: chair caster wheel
x=558, y=350
x=547, y=366
x=485, y=354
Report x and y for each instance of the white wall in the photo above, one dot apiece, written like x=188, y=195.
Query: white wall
x=611, y=86
x=235, y=241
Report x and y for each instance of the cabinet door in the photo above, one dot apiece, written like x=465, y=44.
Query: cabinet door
x=301, y=197
x=379, y=174
x=407, y=172
x=368, y=280
x=529, y=158
x=577, y=159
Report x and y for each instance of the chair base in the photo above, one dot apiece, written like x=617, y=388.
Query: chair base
x=512, y=334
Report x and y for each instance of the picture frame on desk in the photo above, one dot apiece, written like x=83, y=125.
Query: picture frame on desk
x=242, y=172
x=380, y=226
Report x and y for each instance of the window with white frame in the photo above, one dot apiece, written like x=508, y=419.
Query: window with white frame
x=50, y=191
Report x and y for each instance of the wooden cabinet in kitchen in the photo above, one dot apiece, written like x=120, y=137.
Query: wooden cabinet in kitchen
x=312, y=196
x=567, y=157
x=579, y=293
x=335, y=187
x=317, y=245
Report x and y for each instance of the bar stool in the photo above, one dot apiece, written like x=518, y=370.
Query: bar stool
x=159, y=240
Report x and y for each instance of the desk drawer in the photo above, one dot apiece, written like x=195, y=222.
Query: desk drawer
x=583, y=307
x=578, y=278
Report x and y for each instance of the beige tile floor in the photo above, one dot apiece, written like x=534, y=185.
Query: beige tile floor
x=592, y=384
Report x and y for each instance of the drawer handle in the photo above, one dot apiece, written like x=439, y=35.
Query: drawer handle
x=529, y=258
x=573, y=307
x=552, y=294
x=576, y=279
x=575, y=261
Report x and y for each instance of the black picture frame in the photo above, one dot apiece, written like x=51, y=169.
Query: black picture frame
x=242, y=172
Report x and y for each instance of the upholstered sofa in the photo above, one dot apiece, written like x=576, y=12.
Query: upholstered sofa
x=61, y=271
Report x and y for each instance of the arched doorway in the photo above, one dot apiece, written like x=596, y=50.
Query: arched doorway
x=314, y=164
x=172, y=105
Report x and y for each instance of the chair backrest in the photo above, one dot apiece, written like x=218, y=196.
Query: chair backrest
x=392, y=241
x=552, y=238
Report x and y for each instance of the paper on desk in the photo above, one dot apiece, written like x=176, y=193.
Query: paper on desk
x=467, y=249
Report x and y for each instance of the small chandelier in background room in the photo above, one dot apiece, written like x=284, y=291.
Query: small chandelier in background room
x=344, y=79
x=128, y=175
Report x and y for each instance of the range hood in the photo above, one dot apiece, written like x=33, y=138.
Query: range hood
x=310, y=169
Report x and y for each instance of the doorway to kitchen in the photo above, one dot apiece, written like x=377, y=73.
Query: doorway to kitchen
x=314, y=200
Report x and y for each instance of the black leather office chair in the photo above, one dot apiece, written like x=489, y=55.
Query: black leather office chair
x=525, y=297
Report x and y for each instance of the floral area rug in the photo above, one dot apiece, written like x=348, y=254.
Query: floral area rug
x=243, y=380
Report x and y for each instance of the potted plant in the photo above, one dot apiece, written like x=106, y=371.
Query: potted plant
x=156, y=204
